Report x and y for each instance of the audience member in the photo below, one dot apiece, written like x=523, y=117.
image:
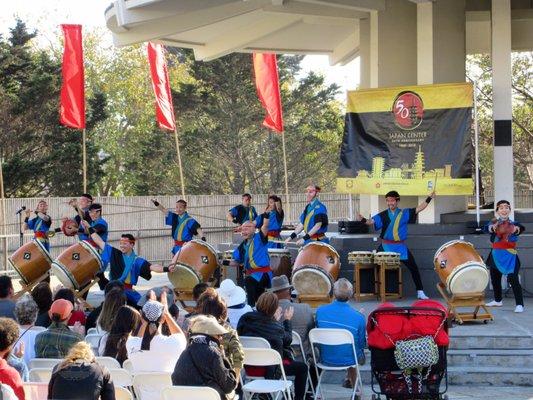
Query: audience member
x=42, y=294
x=58, y=339
x=7, y=305
x=151, y=351
x=80, y=377
x=77, y=313
x=197, y=291
x=235, y=298
x=203, y=362
x=210, y=303
x=265, y=323
x=92, y=318
x=26, y=313
x=113, y=343
x=113, y=301
x=302, y=320
x=340, y=315
x=9, y=332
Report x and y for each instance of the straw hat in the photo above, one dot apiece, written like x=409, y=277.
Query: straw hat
x=207, y=325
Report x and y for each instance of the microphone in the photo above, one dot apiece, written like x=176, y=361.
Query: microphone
x=21, y=209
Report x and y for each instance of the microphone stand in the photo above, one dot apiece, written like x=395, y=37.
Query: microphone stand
x=21, y=233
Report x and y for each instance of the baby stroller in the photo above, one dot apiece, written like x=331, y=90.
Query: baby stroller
x=408, y=348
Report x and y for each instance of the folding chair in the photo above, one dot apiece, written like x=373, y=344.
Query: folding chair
x=35, y=390
x=297, y=342
x=334, y=337
x=94, y=340
x=40, y=375
x=108, y=362
x=128, y=366
x=43, y=363
x=190, y=393
x=121, y=377
x=254, y=342
x=262, y=358
x=148, y=385
x=122, y=393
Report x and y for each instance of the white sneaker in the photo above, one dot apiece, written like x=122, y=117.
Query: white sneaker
x=421, y=295
x=494, y=303
x=519, y=308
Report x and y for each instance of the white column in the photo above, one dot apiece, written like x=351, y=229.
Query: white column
x=424, y=43
x=502, y=101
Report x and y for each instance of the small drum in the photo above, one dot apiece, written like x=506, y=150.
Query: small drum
x=280, y=262
x=461, y=268
x=387, y=257
x=315, y=269
x=360, y=257
x=196, y=262
x=77, y=265
x=31, y=261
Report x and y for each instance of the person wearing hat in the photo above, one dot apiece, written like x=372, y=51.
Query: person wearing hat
x=393, y=225
x=57, y=340
x=203, y=362
x=235, y=298
x=150, y=350
x=302, y=320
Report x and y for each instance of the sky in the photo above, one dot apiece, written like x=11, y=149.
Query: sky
x=47, y=15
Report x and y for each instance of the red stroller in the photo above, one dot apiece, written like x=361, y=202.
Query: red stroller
x=391, y=339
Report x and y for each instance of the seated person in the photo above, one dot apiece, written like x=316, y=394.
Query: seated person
x=58, y=339
x=113, y=343
x=150, y=350
x=340, y=315
x=9, y=333
x=7, y=305
x=235, y=298
x=92, y=318
x=77, y=310
x=42, y=294
x=203, y=362
x=80, y=377
x=197, y=291
x=113, y=301
x=26, y=313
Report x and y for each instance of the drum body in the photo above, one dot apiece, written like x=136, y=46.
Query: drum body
x=316, y=269
x=77, y=265
x=280, y=262
x=387, y=257
x=31, y=261
x=461, y=268
x=196, y=262
x=360, y=257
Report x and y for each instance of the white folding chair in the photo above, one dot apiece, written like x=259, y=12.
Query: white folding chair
x=190, y=393
x=121, y=377
x=334, y=337
x=148, y=385
x=35, y=390
x=40, y=375
x=128, y=366
x=108, y=362
x=43, y=362
x=297, y=342
x=94, y=340
x=253, y=342
x=122, y=393
x=262, y=358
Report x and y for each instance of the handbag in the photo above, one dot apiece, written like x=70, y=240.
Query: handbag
x=416, y=353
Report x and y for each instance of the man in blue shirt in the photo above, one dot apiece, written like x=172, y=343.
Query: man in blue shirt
x=184, y=227
x=340, y=315
x=393, y=225
x=243, y=212
x=313, y=220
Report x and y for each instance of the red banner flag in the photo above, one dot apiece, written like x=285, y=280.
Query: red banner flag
x=267, y=83
x=163, y=99
x=72, y=108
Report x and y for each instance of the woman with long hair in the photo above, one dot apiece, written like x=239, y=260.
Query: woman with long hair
x=113, y=301
x=113, y=343
x=80, y=377
x=274, y=208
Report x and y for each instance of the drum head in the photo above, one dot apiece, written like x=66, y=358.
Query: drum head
x=311, y=281
x=64, y=276
x=468, y=278
x=360, y=253
x=183, y=277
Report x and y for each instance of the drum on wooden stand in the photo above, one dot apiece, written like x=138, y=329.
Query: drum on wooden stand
x=280, y=262
x=77, y=265
x=31, y=261
x=360, y=257
x=387, y=257
x=315, y=269
x=460, y=268
x=196, y=262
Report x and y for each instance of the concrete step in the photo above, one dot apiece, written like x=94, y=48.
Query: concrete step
x=490, y=357
x=491, y=342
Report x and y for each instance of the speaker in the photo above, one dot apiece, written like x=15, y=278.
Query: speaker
x=352, y=227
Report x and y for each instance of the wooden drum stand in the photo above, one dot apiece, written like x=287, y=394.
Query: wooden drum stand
x=476, y=300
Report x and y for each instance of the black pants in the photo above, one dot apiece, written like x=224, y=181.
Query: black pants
x=254, y=288
x=297, y=369
x=496, y=278
x=410, y=263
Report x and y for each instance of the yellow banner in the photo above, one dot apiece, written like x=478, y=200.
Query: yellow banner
x=412, y=187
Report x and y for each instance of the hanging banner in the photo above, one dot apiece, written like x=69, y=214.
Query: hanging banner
x=411, y=139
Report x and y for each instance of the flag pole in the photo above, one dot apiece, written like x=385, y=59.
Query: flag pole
x=3, y=211
x=84, y=145
x=179, y=162
x=286, y=174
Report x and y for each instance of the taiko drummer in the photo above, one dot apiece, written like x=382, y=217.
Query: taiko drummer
x=39, y=223
x=275, y=212
x=393, y=225
x=503, y=258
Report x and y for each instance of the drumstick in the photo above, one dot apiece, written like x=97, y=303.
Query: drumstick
x=435, y=183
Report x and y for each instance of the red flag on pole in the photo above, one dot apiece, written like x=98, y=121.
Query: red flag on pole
x=267, y=83
x=72, y=108
x=163, y=98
